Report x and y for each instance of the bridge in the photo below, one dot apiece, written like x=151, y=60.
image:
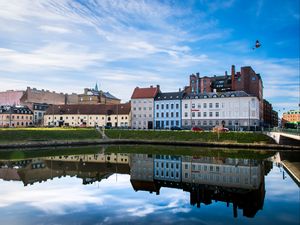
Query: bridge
x=284, y=137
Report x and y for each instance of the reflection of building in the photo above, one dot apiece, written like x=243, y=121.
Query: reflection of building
x=167, y=167
x=142, y=103
x=232, y=109
x=15, y=116
x=88, y=115
x=236, y=181
x=89, y=168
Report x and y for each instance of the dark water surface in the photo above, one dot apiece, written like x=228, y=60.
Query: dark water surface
x=101, y=185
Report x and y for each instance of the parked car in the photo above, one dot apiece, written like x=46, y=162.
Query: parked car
x=175, y=128
x=224, y=129
x=107, y=127
x=197, y=129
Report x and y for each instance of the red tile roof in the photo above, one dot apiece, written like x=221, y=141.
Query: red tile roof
x=89, y=109
x=145, y=92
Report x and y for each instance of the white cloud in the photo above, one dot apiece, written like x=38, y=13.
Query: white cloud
x=54, y=29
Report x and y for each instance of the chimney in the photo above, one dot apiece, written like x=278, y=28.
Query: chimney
x=226, y=73
x=157, y=86
x=179, y=90
x=151, y=86
x=232, y=78
x=198, y=75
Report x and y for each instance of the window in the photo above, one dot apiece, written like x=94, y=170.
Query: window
x=210, y=105
x=157, y=114
x=193, y=105
x=199, y=106
x=167, y=114
x=157, y=106
x=162, y=114
x=167, y=106
x=217, y=105
x=186, y=114
x=172, y=114
x=172, y=106
x=204, y=114
x=204, y=105
x=162, y=106
x=193, y=114
x=177, y=114
x=199, y=114
x=217, y=114
x=210, y=114
x=253, y=78
x=177, y=106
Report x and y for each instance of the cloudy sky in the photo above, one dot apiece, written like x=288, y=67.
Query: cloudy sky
x=67, y=45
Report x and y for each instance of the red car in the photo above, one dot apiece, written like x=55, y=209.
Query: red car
x=197, y=129
x=224, y=129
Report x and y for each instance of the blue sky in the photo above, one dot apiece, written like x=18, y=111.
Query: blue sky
x=65, y=45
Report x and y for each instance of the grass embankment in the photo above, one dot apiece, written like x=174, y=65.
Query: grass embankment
x=230, y=137
x=13, y=135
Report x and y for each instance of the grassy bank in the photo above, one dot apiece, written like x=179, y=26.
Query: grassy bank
x=9, y=135
x=230, y=137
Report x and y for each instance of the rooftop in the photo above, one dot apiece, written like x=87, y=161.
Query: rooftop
x=150, y=92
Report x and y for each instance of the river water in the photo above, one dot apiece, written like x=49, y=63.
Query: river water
x=147, y=185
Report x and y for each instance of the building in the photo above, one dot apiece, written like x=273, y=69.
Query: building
x=33, y=96
x=39, y=110
x=142, y=104
x=95, y=96
x=10, y=97
x=88, y=115
x=246, y=80
x=236, y=110
x=167, y=110
x=267, y=114
x=274, y=122
x=15, y=116
x=291, y=117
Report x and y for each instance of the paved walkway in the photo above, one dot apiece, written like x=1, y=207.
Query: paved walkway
x=104, y=137
x=293, y=168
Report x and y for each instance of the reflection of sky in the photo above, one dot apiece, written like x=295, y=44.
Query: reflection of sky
x=113, y=201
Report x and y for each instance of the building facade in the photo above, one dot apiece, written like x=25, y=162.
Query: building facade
x=236, y=110
x=10, y=97
x=292, y=117
x=39, y=110
x=167, y=168
x=167, y=110
x=15, y=116
x=246, y=80
x=88, y=115
x=142, y=107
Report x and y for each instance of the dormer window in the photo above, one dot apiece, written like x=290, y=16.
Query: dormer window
x=232, y=95
x=214, y=96
x=205, y=96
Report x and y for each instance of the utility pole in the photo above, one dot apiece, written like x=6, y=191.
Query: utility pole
x=249, y=115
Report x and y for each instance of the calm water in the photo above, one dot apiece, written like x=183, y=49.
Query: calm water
x=101, y=187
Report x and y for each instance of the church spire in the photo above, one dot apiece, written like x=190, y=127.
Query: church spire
x=96, y=87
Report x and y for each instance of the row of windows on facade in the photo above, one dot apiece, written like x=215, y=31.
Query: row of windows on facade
x=212, y=123
x=217, y=114
x=140, y=115
x=16, y=117
x=142, y=101
x=167, y=114
x=167, y=165
x=140, y=108
x=210, y=105
x=167, y=174
x=168, y=123
x=108, y=118
x=219, y=178
x=19, y=123
x=162, y=106
x=79, y=123
x=224, y=169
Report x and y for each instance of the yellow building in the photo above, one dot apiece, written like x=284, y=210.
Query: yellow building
x=291, y=116
x=88, y=115
x=15, y=116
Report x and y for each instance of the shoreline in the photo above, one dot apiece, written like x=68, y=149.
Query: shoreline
x=39, y=144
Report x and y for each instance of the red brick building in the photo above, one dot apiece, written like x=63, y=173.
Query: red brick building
x=246, y=80
x=10, y=97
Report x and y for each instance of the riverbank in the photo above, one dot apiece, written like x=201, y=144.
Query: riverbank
x=41, y=144
x=55, y=137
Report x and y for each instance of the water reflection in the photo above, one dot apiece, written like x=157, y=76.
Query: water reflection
x=206, y=179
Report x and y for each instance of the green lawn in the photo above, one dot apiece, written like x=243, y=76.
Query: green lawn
x=9, y=135
x=230, y=137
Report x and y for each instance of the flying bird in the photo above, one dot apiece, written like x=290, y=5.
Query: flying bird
x=257, y=45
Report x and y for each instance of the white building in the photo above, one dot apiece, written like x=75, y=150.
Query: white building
x=235, y=110
x=142, y=107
